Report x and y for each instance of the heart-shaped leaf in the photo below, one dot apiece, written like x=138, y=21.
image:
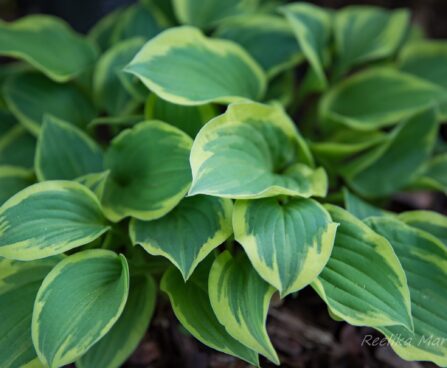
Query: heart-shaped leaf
x=123, y=338
x=197, y=62
x=20, y=39
x=288, y=241
x=188, y=233
x=78, y=303
x=363, y=282
x=253, y=151
x=49, y=218
x=424, y=260
x=191, y=305
x=30, y=96
x=240, y=300
x=65, y=152
x=149, y=171
x=19, y=283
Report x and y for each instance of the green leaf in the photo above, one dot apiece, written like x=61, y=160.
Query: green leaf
x=257, y=33
x=288, y=241
x=78, y=303
x=352, y=103
x=192, y=307
x=17, y=146
x=116, y=121
x=49, y=218
x=240, y=300
x=101, y=33
x=190, y=119
x=149, y=171
x=39, y=39
x=64, y=152
x=253, y=151
x=123, y=338
x=312, y=26
x=363, y=282
x=96, y=182
x=19, y=283
x=208, y=13
x=399, y=160
x=434, y=175
x=188, y=233
x=424, y=259
x=13, y=180
x=432, y=222
x=30, y=96
x=197, y=62
x=359, y=207
x=109, y=91
x=365, y=33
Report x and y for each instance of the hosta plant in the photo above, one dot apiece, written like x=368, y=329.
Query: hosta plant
x=216, y=155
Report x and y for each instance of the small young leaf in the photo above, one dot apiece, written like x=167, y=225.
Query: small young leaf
x=39, y=39
x=149, y=171
x=190, y=119
x=123, y=338
x=363, y=282
x=49, y=218
x=424, y=260
x=432, y=222
x=312, y=26
x=78, y=303
x=352, y=102
x=197, y=62
x=288, y=243
x=64, y=152
x=19, y=283
x=188, y=233
x=191, y=305
x=253, y=151
x=13, y=180
x=30, y=96
x=257, y=34
x=240, y=300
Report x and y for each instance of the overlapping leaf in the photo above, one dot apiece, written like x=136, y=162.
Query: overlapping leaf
x=432, y=222
x=78, y=303
x=253, y=151
x=13, y=180
x=434, y=175
x=49, y=218
x=197, y=63
x=288, y=243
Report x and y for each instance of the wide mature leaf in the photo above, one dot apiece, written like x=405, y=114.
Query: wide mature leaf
x=149, y=171
x=109, y=91
x=39, y=39
x=288, y=241
x=17, y=146
x=30, y=96
x=378, y=97
x=240, y=300
x=13, y=180
x=190, y=119
x=65, y=152
x=197, y=62
x=123, y=338
x=208, y=13
x=398, y=161
x=253, y=151
x=188, y=233
x=434, y=175
x=192, y=307
x=363, y=282
x=19, y=283
x=424, y=259
x=359, y=207
x=78, y=303
x=432, y=222
x=259, y=33
x=49, y=218
x=364, y=34
x=312, y=26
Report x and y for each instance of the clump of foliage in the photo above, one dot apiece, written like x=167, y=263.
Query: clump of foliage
x=225, y=151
